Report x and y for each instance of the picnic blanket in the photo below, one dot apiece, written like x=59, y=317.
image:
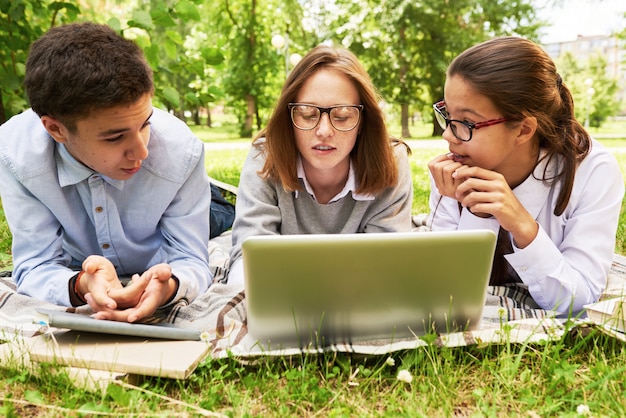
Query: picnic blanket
x=510, y=315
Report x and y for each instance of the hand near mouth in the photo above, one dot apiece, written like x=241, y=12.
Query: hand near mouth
x=486, y=193
x=443, y=169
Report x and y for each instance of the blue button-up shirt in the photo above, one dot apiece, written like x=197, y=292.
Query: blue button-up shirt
x=60, y=211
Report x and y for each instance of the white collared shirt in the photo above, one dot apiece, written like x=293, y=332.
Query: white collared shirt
x=567, y=264
x=350, y=185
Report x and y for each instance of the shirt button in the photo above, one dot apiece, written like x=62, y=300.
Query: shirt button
x=99, y=209
x=524, y=268
x=105, y=246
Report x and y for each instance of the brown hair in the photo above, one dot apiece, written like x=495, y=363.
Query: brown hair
x=374, y=161
x=76, y=68
x=521, y=80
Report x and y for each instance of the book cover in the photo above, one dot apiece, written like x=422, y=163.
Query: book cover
x=609, y=313
x=173, y=359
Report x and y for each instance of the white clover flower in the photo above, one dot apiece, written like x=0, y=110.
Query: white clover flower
x=583, y=410
x=390, y=361
x=205, y=336
x=405, y=376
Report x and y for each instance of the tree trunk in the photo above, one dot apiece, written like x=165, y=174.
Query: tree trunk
x=404, y=120
x=437, y=131
x=209, y=122
x=250, y=112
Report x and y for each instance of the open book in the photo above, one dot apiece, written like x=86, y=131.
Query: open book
x=610, y=313
x=77, y=340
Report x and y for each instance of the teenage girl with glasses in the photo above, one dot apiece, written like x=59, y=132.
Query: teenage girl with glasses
x=519, y=162
x=325, y=163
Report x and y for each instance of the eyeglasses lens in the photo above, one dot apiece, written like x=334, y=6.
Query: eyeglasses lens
x=343, y=118
x=460, y=130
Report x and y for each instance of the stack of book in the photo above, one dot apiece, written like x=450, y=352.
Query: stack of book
x=609, y=313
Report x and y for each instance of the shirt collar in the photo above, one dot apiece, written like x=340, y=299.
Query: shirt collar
x=349, y=187
x=532, y=193
x=71, y=171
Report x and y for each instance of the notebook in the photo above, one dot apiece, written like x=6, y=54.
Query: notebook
x=318, y=290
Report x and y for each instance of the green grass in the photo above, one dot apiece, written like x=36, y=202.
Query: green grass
x=549, y=379
x=580, y=370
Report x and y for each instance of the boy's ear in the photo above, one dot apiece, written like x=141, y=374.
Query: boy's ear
x=55, y=128
x=527, y=129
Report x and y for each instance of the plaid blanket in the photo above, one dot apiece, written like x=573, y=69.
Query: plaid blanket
x=509, y=315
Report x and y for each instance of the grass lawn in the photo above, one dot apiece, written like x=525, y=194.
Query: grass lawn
x=578, y=374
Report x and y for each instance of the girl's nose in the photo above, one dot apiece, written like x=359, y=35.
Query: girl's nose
x=324, y=127
x=449, y=136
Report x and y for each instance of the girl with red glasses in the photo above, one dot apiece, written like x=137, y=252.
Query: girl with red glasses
x=519, y=163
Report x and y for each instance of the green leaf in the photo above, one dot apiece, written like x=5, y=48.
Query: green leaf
x=34, y=396
x=216, y=91
x=170, y=49
x=171, y=95
x=141, y=20
x=152, y=55
x=161, y=16
x=186, y=10
x=17, y=11
x=59, y=5
x=115, y=24
x=212, y=56
x=196, y=66
x=119, y=395
x=174, y=36
x=192, y=98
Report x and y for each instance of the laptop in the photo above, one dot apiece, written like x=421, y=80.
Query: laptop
x=318, y=290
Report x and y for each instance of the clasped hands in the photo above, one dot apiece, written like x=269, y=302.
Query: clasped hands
x=484, y=193
x=109, y=300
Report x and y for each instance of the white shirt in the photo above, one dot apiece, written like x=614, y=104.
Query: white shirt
x=349, y=187
x=566, y=265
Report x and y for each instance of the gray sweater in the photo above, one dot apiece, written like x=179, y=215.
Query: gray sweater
x=264, y=207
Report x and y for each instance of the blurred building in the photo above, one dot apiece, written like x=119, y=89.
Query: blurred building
x=584, y=47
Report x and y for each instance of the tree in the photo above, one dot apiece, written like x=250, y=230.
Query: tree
x=21, y=23
x=253, y=77
x=180, y=62
x=593, y=90
x=161, y=28
x=407, y=45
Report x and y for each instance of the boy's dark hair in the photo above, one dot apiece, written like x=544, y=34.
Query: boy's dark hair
x=77, y=68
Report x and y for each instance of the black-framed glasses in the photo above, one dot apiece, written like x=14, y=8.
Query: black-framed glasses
x=342, y=117
x=461, y=129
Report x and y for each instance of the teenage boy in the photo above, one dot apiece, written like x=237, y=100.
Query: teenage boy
x=100, y=188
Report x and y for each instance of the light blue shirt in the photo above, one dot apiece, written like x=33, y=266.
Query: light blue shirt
x=60, y=211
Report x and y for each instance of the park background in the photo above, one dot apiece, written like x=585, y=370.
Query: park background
x=219, y=65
